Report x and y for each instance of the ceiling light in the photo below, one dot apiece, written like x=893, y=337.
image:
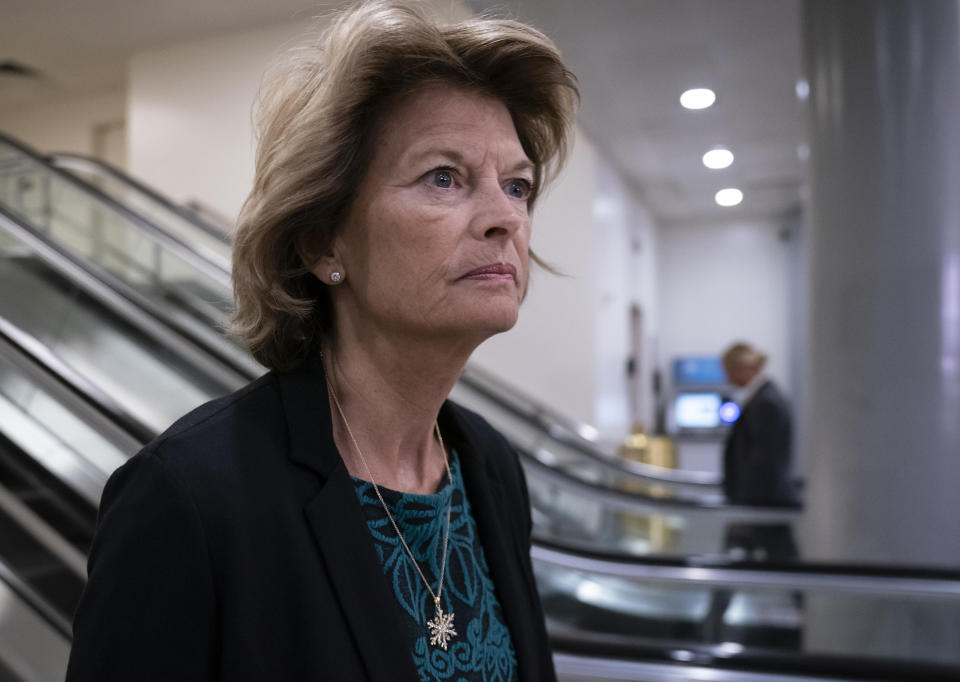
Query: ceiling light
x=698, y=98
x=729, y=196
x=718, y=158
x=803, y=89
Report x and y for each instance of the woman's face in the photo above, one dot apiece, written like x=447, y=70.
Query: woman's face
x=436, y=242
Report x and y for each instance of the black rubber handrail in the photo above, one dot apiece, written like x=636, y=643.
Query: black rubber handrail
x=40, y=605
x=641, y=503
x=936, y=576
x=749, y=659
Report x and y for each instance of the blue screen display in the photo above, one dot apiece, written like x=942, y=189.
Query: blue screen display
x=704, y=369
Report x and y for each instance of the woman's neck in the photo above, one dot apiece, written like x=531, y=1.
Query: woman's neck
x=390, y=396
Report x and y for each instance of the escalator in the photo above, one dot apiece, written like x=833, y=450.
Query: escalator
x=169, y=279
x=57, y=445
x=611, y=616
x=629, y=558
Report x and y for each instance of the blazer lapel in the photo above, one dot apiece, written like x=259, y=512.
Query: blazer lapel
x=489, y=505
x=337, y=523
x=371, y=609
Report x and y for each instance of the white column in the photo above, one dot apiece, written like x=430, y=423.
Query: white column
x=882, y=432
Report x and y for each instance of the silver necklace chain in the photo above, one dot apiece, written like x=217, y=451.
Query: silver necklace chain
x=393, y=522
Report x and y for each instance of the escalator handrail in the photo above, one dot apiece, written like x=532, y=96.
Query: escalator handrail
x=580, y=657
x=641, y=503
x=618, y=657
x=157, y=234
x=570, y=433
x=83, y=390
x=45, y=535
x=125, y=303
x=40, y=605
x=907, y=581
x=68, y=158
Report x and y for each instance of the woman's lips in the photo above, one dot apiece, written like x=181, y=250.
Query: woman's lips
x=497, y=272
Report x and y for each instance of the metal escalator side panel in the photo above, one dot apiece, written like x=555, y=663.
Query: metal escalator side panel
x=667, y=619
x=34, y=639
x=159, y=272
x=101, y=336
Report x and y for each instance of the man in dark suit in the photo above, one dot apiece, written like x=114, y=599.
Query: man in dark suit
x=757, y=472
x=758, y=455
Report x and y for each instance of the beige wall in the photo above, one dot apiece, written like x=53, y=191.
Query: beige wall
x=550, y=352
x=72, y=124
x=191, y=105
x=721, y=283
x=189, y=115
x=571, y=344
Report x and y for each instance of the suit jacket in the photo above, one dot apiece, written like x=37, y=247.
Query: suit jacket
x=757, y=455
x=233, y=547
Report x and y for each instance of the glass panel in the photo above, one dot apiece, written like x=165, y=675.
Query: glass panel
x=127, y=193
x=562, y=456
x=792, y=621
x=564, y=514
x=195, y=294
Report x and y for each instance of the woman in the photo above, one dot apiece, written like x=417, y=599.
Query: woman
x=338, y=519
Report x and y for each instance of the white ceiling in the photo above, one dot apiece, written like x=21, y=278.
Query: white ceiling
x=83, y=46
x=633, y=59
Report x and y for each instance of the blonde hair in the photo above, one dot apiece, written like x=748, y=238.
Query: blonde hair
x=318, y=117
x=744, y=355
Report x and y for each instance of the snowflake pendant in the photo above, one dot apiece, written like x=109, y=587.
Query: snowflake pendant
x=441, y=628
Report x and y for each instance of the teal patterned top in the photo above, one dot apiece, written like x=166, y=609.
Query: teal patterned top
x=482, y=650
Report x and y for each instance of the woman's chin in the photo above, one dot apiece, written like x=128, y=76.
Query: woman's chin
x=488, y=321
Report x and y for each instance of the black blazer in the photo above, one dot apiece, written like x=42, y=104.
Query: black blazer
x=757, y=455
x=233, y=547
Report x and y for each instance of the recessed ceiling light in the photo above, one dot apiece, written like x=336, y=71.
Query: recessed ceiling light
x=730, y=196
x=803, y=89
x=698, y=98
x=718, y=158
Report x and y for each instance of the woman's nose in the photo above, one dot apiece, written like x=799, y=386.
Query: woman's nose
x=498, y=215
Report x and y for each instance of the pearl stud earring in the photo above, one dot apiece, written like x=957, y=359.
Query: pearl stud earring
x=335, y=277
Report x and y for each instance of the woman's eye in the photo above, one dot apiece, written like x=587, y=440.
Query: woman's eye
x=442, y=178
x=518, y=189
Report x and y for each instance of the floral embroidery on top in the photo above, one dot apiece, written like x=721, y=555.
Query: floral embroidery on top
x=483, y=651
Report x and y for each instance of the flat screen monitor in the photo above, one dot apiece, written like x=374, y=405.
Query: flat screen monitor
x=697, y=410
x=698, y=369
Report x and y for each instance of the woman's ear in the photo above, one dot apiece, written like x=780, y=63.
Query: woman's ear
x=321, y=261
